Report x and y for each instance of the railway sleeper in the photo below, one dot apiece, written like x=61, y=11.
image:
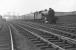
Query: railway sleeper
x=38, y=42
x=54, y=40
x=31, y=36
x=46, y=47
x=50, y=35
x=42, y=44
x=64, y=45
x=51, y=38
x=47, y=36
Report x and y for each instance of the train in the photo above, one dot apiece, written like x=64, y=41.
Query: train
x=40, y=15
x=63, y=17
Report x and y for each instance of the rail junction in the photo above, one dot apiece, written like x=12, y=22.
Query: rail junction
x=44, y=36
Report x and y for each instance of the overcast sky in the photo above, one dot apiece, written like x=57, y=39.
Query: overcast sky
x=27, y=6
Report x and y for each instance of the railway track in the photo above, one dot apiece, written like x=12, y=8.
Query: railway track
x=64, y=27
x=5, y=38
x=60, y=32
x=52, y=29
x=44, y=38
x=68, y=28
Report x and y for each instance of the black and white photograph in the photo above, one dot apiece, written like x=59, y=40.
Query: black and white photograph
x=37, y=24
